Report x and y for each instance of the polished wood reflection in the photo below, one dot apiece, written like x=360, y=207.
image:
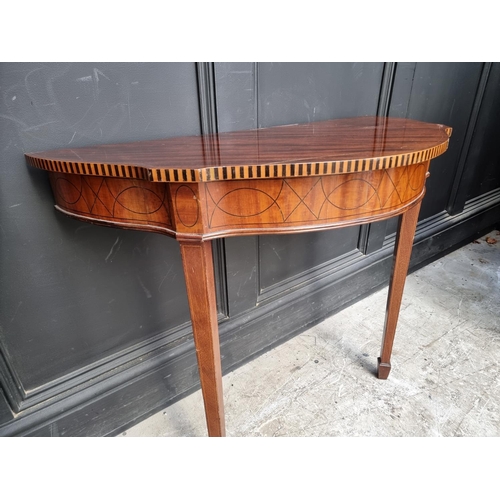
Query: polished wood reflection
x=285, y=179
x=301, y=150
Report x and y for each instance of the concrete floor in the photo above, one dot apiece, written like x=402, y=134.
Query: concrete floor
x=445, y=378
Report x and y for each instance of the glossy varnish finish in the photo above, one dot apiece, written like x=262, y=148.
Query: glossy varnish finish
x=283, y=179
x=320, y=148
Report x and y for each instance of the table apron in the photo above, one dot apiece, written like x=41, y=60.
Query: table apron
x=194, y=211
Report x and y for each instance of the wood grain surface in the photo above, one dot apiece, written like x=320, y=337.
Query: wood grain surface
x=252, y=206
x=301, y=150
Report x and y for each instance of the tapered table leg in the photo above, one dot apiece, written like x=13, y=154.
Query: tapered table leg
x=402, y=253
x=199, y=274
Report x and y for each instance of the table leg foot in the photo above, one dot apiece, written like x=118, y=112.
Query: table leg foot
x=383, y=370
x=199, y=274
x=402, y=254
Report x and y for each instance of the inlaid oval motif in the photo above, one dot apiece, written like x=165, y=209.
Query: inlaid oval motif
x=352, y=194
x=186, y=205
x=245, y=202
x=67, y=191
x=132, y=199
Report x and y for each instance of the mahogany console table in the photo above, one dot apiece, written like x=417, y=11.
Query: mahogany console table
x=276, y=180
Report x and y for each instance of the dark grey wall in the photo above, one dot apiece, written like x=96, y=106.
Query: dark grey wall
x=94, y=325
x=78, y=300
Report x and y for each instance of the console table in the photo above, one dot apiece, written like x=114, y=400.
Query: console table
x=282, y=179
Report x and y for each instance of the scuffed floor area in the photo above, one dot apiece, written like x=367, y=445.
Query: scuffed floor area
x=445, y=378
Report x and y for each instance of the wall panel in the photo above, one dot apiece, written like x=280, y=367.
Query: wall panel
x=77, y=299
